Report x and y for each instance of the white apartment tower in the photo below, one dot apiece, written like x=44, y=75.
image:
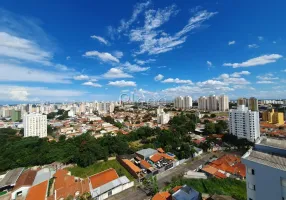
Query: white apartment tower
x=223, y=103
x=202, y=103
x=35, y=125
x=266, y=170
x=183, y=102
x=212, y=103
x=188, y=102
x=244, y=123
x=162, y=117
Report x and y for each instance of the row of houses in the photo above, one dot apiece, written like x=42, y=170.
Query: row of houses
x=147, y=162
x=46, y=184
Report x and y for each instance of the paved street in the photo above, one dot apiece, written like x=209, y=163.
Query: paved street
x=163, y=178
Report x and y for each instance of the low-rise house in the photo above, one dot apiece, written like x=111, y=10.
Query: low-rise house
x=38, y=192
x=23, y=184
x=146, y=153
x=10, y=179
x=108, y=183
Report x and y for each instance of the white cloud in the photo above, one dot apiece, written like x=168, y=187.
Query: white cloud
x=178, y=81
x=284, y=70
x=100, y=39
x=211, y=83
x=143, y=62
x=231, y=42
x=118, y=54
x=21, y=93
x=261, y=60
x=264, y=82
x=23, y=49
x=11, y=72
x=116, y=73
x=81, y=77
x=159, y=77
x=103, y=56
x=122, y=83
x=267, y=77
x=90, y=83
x=251, y=46
x=150, y=38
x=61, y=67
x=260, y=38
x=68, y=58
x=238, y=74
x=134, y=68
x=209, y=63
x=138, y=8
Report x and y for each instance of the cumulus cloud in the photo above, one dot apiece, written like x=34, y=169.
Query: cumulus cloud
x=267, y=77
x=231, y=42
x=265, y=82
x=134, y=68
x=81, y=77
x=116, y=73
x=118, y=54
x=90, y=83
x=122, y=83
x=238, y=74
x=100, y=39
x=261, y=60
x=252, y=46
x=143, y=62
x=159, y=77
x=103, y=56
x=178, y=81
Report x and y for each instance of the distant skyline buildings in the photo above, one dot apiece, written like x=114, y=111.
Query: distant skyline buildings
x=185, y=102
x=213, y=103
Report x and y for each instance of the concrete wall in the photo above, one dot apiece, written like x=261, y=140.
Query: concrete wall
x=117, y=190
x=267, y=181
x=24, y=190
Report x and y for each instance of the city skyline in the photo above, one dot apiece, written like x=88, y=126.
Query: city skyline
x=89, y=51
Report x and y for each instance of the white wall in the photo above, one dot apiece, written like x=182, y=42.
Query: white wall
x=23, y=189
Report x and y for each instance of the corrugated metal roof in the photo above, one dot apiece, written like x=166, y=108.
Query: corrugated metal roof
x=11, y=177
x=146, y=152
x=109, y=186
x=274, y=161
x=43, y=175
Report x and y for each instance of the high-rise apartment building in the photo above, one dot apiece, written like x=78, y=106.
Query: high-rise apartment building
x=223, y=103
x=162, y=117
x=244, y=123
x=35, y=125
x=188, y=102
x=266, y=170
x=212, y=103
x=16, y=115
x=253, y=104
x=242, y=101
x=202, y=103
x=183, y=102
x=273, y=117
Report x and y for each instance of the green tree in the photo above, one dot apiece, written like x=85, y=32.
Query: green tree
x=213, y=115
x=209, y=128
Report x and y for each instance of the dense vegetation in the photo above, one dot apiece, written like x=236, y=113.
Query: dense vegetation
x=228, y=186
x=99, y=167
x=62, y=114
x=212, y=128
x=84, y=150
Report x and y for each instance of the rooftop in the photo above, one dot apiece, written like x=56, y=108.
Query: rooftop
x=25, y=179
x=102, y=178
x=38, y=191
x=11, y=177
x=162, y=196
x=266, y=159
x=276, y=143
x=131, y=165
x=186, y=193
x=146, y=152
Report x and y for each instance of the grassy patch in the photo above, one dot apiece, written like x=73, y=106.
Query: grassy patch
x=99, y=167
x=228, y=186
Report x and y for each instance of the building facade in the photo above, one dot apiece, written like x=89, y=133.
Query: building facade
x=223, y=103
x=244, y=123
x=202, y=103
x=212, y=103
x=183, y=102
x=35, y=125
x=273, y=117
x=266, y=170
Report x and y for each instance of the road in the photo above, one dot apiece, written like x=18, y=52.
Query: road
x=163, y=178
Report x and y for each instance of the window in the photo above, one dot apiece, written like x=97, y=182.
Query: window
x=250, y=186
x=250, y=171
x=110, y=193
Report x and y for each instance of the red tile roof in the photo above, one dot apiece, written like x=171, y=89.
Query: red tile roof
x=162, y=196
x=145, y=164
x=156, y=157
x=38, y=192
x=220, y=175
x=209, y=169
x=25, y=179
x=102, y=178
x=160, y=150
x=131, y=165
x=175, y=189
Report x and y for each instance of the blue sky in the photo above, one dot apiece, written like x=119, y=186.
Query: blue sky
x=96, y=50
